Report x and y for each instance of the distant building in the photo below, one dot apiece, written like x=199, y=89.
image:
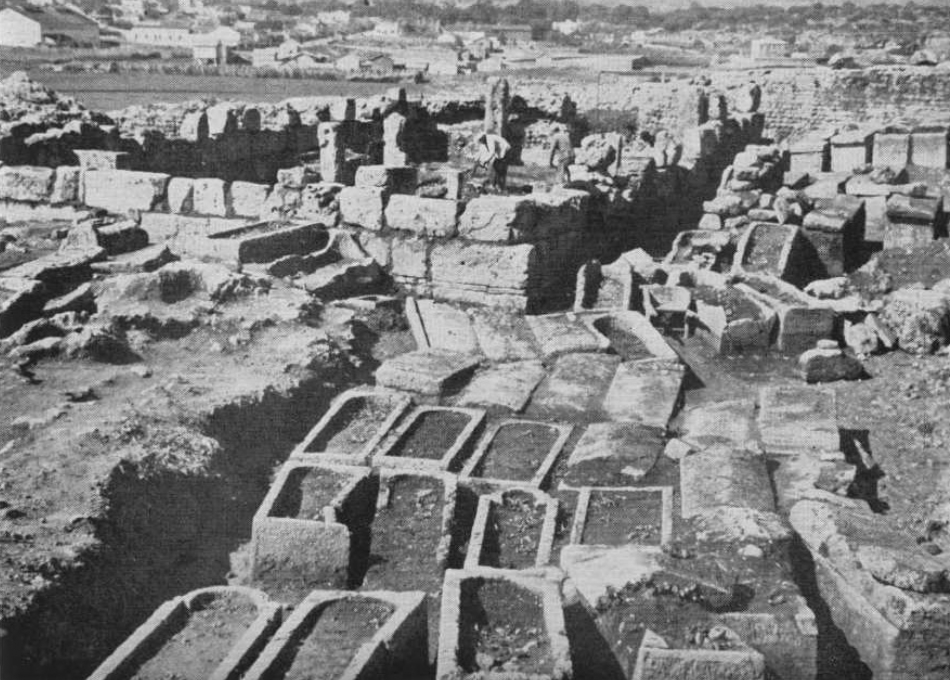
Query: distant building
x=387, y=29
x=764, y=49
x=338, y=17
x=566, y=27
x=31, y=25
x=160, y=35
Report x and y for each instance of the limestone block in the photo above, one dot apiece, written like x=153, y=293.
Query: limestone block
x=101, y=159
x=609, y=454
x=66, y=185
x=919, y=318
x=929, y=149
x=423, y=216
x=891, y=150
x=426, y=371
x=395, y=179
x=912, y=210
x=210, y=197
x=363, y=206
x=850, y=150
x=248, y=198
x=26, y=183
x=410, y=258
x=482, y=265
x=576, y=385
x=222, y=119
x=498, y=218
x=194, y=127
x=724, y=477
x=181, y=194
x=508, y=385
x=124, y=190
x=647, y=391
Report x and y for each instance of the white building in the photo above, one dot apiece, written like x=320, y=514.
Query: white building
x=566, y=27
x=19, y=30
x=337, y=17
x=161, y=36
x=764, y=49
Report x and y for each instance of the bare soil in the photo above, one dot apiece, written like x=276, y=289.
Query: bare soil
x=406, y=536
x=517, y=451
x=514, y=533
x=622, y=517
x=195, y=650
x=337, y=632
x=352, y=427
x=502, y=629
x=431, y=435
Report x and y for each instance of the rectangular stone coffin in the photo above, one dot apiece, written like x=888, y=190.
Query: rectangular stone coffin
x=305, y=528
x=732, y=321
x=623, y=516
x=835, y=229
x=648, y=391
x=776, y=249
x=207, y=634
x=604, y=287
x=256, y=243
x=432, y=439
x=517, y=453
x=631, y=335
x=353, y=427
x=929, y=148
x=850, y=150
x=478, y=603
x=372, y=635
x=701, y=247
x=796, y=420
x=802, y=321
x=513, y=529
x=413, y=531
x=657, y=661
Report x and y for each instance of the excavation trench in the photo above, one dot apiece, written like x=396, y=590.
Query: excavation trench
x=163, y=533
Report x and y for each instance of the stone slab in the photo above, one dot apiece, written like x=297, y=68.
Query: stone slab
x=422, y=216
x=428, y=372
x=507, y=385
x=123, y=190
x=614, y=454
x=447, y=327
x=27, y=183
x=576, y=385
x=558, y=334
x=724, y=422
x=891, y=150
x=798, y=420
x=503, y=336
x=363, y=206
x=648, y=391
x=724, y=477
x=929, y=149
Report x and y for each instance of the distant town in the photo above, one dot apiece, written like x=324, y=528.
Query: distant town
x=408, y=40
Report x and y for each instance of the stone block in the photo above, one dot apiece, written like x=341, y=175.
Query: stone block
x=821, y=365
x=410, y=259
x=101, y=159
x=26, y=183
x=482, y=266
x=181, y=194
x=428, y=372
x=248, y=198
x=656, y=660
x=447, y=328
x=891, y=150
x=929, y=149
x=66, y=185
x=210, y=197
x=123, y=190
x=222, y=119
x=423, y=216
x=363, y=206
x=912, y=210
x=802, y=321
x=920, y=319
x=850, y=150
x=795, y=420
x=254, y=243
x=394, y=179
x=875, y=218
